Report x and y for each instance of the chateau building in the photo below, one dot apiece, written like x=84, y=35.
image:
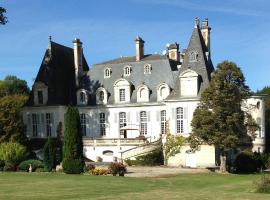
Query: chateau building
x=124, y=103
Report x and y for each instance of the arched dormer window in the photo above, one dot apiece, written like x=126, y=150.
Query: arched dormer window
x=193, y=56
x=147, y=69
x=82, y=97
x=122, y=91
x=143, y=93
x=127, y=71
x=40, y=91
x=189, y=83
x=107, y=72
x=101, y=96
x=163, y=91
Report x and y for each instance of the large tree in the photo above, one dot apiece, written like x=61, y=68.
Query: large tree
x=11, y=122
x=219, y=119
x=3, y=18
x=13, y=85
x=73, y=160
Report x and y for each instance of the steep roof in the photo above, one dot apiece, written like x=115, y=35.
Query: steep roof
x=58, y=74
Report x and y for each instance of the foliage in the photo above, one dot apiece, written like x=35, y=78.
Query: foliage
x=247, y=162
x=40, y=169
x=172, y=145
x=3, y=18
x=73, y=146
x=151, y=159
x=49, y=155
x=73, y=166
x=89, y=167
x=263, y=185
x=11, y=122
x=12, y=85
x=117, y=167
x=266, y=160
x=12, y=153
x=99, y=171
x=58, y=144
x=24, y=165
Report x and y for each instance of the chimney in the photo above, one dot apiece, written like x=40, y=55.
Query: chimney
x=173, y=52
x=77, y=48
x=205, y=29
x=139, y=48
x=196, y=22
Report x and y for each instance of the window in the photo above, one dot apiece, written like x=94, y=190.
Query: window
x=48, y=124
x=35, y=124
x=143, y=93
x=258, y=105
x=163, y=91
x=259, y=122
x=143, y=125
x=123, y=123
x=82, y=97
x=101, y=96
x=127, y=71
x=163, y=121
x=179, y=120
x=83, y=124
x=122, y=95
x=189, y=83
x=107, y=73
x=193, y=56
x=102, y=124
x=40, y=97
x=147, y=69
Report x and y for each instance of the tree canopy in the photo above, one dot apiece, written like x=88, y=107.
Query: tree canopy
x=13, y=85
x=3, y=18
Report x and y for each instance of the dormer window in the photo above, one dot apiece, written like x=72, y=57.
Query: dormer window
x=40, y=97
x=163, y=91
x=101, y=96
x=189, y=83
x=122, y=91
x=127, y=71
x=143, y=93
x=193, y=56
x=122, y=95
x=82, y=97
x=107, y=73
x=147, y=69
x=40, y=91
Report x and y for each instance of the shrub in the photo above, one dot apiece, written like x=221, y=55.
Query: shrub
x=49, y=155
x=117, y=167
x=99, y=171
x=8, y=168
x=40, y=170
x=24, y=166
x=12, y=153
x=246, y=162
x=263, y=185
x=73, y=166
x=89, y=167
x=266, y=160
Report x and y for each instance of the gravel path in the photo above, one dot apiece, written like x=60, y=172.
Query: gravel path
x=160, y=171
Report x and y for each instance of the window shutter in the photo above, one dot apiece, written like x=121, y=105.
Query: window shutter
x=43, y=124
x=52, y=115
x=29, y=124
x=186, y=131
x=137, y=116
x=185, y=113
x=158, y=115
x=173, y=113
x=128, y=118
x=115, y=117
x=148, y=116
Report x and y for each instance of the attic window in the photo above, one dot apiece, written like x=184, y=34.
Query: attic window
x=127, y=71
x=193, y=56
x=107, y=73
x=40, y=97
x=147, y=69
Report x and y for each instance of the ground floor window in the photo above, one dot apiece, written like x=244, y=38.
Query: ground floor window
x=83, y=124
x=143, y=125
x=123, y=123
x=180, y=120
x=35, y=124
x=102, y=124
x=48, y=124
x=163, y=121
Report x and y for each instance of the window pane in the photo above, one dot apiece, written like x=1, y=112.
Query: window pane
x=143, y=125
x=102, y=124
x=163, y=121
x=180, y=120
x=122, y=94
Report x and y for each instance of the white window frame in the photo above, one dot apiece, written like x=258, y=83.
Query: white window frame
x=48, y=118
x=160, y=97
x=122, y=121
x=83, y=124
x=122, y=84
x=98, y=93
x=82, y=97
x=107, y=72
x=147, y=68
x=143, y=122
x=180, y=120
x=102, y=124
x=141, y=98
x=163, y=121
x=127, y=70
x=122, y=94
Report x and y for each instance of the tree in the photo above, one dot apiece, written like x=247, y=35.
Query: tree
x=58, y=145
x=266, y=91
x=173, y=144
x=3, y=18
x=219, y=119
x=49, y=155
x=13, y=85
x=11, y=122
x=73, y=161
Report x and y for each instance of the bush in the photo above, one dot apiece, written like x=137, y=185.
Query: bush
x=89, y=167
x=247, y=162
x=263, y=185
x=266, y=160
x=49, y=155
x=40, y=170
x=12, y=153
x=9, y=168
x=117, y=167
x=73, y=166
x=99, y=171
x=24, y=166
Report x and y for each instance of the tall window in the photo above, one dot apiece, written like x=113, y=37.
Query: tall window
x=127, y=71
x=107, y=73
x=40, y=97
x=102, y=124
x=83, y=124
x=122, y=95
x=259, y=121
x=122, y=123
x=101, y=96
x=82, y=97
x=35, y=123
x=147, y=69
x=163, y=121
x=48, y=124
x=180, y=120
x=143, y=120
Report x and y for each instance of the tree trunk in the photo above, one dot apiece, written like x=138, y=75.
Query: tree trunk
x=223, y=163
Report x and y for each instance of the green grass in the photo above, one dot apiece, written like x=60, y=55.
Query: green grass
x=24, y=186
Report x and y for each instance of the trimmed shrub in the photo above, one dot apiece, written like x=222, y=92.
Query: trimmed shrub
x=263, y=185
x=246, y=162
x=24, y=166
x=73, y=161
x=73, y=166
x=117, y=167
x=99, y=171
x=40, y=170
x=12, y=154
x=49, y=156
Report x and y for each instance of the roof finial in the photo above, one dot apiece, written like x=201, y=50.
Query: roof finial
x=197, y=22
x=50, y=38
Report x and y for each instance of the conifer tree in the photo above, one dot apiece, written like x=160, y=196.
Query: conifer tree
x=49, y=155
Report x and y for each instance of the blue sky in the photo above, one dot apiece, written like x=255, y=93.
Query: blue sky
x=107, y=28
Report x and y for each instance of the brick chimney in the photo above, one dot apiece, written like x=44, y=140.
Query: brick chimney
x=139, y=43
x=78, y=51
x=205, y=29
x=173, y=52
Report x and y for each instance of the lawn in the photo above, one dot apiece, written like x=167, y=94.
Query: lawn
x=24, y=186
